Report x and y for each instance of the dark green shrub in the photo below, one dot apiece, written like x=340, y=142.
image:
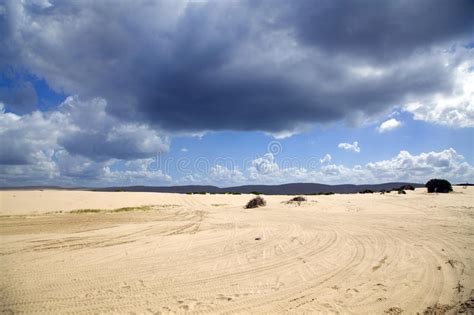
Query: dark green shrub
x=439, y=186
x=255, y=203
x=298, y=199
x=407, y=187
x=366, y=191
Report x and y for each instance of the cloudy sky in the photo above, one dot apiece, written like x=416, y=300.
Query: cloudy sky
x=97, y=93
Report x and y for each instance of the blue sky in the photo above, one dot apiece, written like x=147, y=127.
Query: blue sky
x=232, y=93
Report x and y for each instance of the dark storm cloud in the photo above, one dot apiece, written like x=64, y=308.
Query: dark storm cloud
x=243, y=65
x=379, y=30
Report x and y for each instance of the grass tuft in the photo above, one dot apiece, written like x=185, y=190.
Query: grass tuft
x=125, y=209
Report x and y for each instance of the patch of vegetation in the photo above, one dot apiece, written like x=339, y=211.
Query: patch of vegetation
x=296, y=200
x=199, y=193
x=438, y=186
x=401, y=192
x=79, y=211
x=255, y=203
x=255, y=193
x=406, y=187
x=321, y=194
x=126, y=209
x=366, y=191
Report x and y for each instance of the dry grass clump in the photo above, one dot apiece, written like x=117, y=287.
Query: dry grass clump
x=125, y=209
x=255, y=203
x=79, y=211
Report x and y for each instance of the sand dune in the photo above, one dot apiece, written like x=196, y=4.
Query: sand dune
x=205, y=253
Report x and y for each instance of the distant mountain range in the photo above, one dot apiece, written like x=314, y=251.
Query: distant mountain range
x=285, y=189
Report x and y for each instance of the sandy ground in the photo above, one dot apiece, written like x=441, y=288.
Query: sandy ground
x=192, y=253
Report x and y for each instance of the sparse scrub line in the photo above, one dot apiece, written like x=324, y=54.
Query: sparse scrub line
x=260, y=202
x=321, y=194
x=124, y=209
x=434, y=185
x=401, y=190
x=212, y=193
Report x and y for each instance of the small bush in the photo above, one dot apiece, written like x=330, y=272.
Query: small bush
x=366, y=191
x=401, y=192
x=255, y=193
x=407, y=187
x=298, y=199
x=255, y=203
x=439, y=186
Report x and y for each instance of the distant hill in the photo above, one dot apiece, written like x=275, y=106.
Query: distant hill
x=285, y=189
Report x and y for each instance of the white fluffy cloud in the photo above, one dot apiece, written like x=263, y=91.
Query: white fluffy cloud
x=326, y=159
x=456, y=108
x=403, y=167
x=389, y=125
x=76, y=143
x=350, y=147
x=224, y=175
x=445, y=164
x=264, y=165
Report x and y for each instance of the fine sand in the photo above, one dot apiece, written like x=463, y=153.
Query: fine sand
x=176, y=253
